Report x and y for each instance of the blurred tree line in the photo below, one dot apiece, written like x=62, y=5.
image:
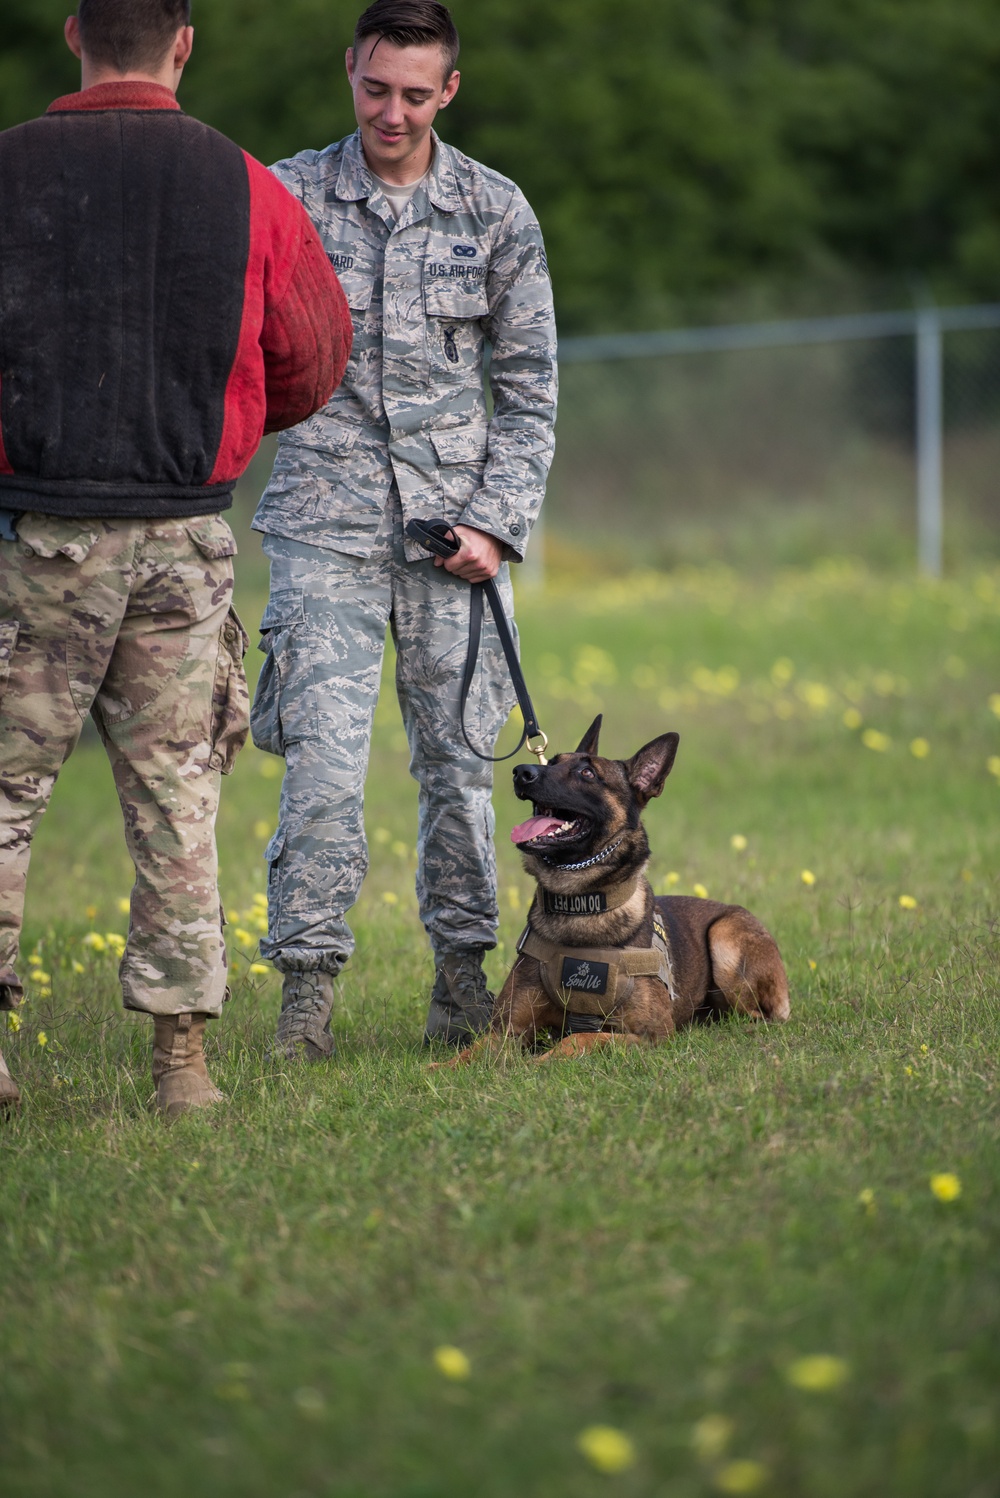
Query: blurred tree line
x=678, y=152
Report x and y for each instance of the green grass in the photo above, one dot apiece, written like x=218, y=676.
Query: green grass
x=250, y=1303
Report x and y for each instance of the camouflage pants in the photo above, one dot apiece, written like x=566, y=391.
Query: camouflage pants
x=129, y=620
x=323, y=635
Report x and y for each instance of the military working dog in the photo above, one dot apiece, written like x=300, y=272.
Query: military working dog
x=601, y=958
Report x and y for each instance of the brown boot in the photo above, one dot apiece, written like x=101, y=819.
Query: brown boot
x=304, y=1022
x=461, y=1005
x=179, y=1073
x=10, y=1098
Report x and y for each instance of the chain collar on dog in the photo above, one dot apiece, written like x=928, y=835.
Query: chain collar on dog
x=587, y=863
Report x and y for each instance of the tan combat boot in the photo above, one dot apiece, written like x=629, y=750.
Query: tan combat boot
x=10, y=1098
x=179, y=1073
x=304, y=1022
x=461, y=1005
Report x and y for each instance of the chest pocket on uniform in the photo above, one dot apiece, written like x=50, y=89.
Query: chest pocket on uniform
x=358, y=282
x=454, y=310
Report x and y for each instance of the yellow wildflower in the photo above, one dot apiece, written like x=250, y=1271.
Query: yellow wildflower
x=994, y=701
x=866, y=1199
x=812, y=965
x=90, y=911
x=852, y=718
x=700, y=891
x=946, y=1187
x=260, y=899
x=262, y=828
x=672, y=879
x=738, y=842
x=740, y=1477
x=818, y=1373
x=124, y=904
x=390, y=897
x=993, y=765
x=259, y=967
x=42, y=1038
x=907, y=902
x=243, y=937
x=95, y=941
x=782, y=672
x=382, y=835
x=34, y=960
x=14, y=1022
x=711, y=1436
x=37, y=976
x=920, y=748
x=77, y=967
x=815, y=695
x=607, y=1449
x=452, y=1362
x=808, y=878
x=872, y=739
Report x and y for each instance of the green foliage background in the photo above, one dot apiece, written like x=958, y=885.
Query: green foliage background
x=677, y=153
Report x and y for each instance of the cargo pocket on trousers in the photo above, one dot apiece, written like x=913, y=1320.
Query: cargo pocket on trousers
x=284, y=705
x=265, y=715
x=272, y=857
x=8, y=639
x=230, y=697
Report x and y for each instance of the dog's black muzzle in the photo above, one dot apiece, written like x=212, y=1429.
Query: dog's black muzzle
x=526, y=781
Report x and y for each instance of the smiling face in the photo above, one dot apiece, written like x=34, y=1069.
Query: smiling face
x=397, y=93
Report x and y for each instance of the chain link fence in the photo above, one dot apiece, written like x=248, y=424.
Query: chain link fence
x=876, y=435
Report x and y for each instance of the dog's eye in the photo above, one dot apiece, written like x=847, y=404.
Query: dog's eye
x=586, y=773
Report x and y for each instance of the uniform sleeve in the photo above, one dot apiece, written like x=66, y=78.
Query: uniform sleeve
x=523, y=380
x=306, y=331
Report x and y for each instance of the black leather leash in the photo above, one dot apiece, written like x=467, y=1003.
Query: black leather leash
x=438, y=537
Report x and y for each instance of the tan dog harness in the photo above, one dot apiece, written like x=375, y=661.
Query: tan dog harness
x=597, y=980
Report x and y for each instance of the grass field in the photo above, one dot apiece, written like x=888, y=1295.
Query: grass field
x=727, y=1251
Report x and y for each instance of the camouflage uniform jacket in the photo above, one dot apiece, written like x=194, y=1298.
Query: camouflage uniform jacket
x=463, y=266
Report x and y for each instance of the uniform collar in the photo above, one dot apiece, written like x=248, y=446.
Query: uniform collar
x=130, y=94
x=355, y=182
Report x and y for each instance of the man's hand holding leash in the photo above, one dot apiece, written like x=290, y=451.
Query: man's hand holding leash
x=478, y=559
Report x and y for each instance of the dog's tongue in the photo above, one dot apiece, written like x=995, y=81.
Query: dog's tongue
x=535, y=827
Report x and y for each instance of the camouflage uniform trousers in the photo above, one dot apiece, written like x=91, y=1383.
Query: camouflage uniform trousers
x=323, y=635
x=131, y=621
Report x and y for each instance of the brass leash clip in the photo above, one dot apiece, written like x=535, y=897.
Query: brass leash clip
x=539, y=749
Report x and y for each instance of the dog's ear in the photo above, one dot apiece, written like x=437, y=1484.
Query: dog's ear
x=650, y=766
x=588, y=744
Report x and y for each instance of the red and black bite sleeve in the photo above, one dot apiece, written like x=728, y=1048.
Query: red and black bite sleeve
x=306, y=333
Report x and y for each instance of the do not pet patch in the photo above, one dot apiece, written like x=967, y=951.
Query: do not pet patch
x=594, y=903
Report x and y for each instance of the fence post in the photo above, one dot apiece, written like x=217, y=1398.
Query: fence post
x=930, y=519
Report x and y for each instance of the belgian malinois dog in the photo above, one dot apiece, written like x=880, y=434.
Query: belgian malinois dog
x=602, y=959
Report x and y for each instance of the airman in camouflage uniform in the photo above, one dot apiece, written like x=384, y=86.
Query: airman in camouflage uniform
x=460, y=269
